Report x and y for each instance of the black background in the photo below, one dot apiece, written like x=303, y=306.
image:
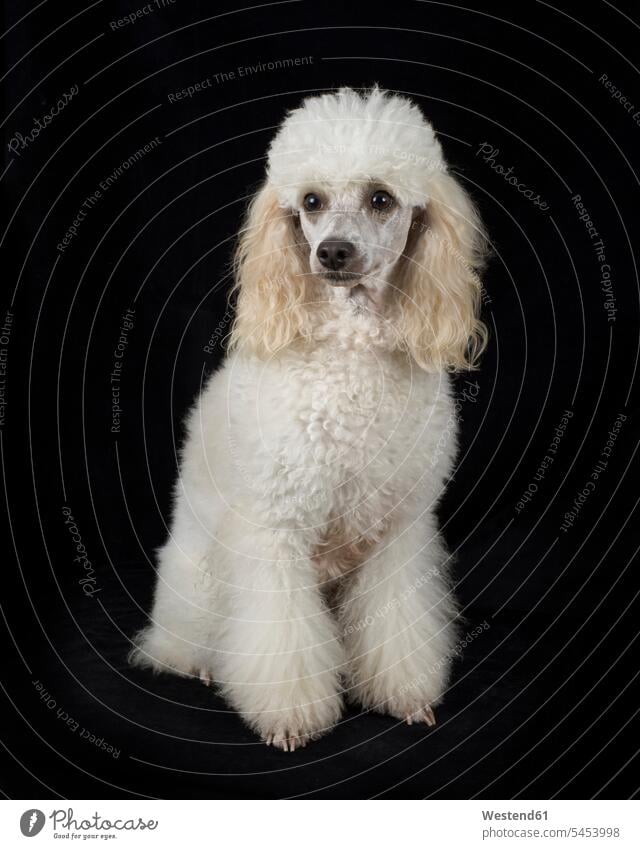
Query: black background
x=544, y=701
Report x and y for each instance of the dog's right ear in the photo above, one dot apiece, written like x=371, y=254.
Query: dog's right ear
x=269, y=277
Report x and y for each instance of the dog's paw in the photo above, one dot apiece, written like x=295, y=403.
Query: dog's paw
x=292, y=728
x=288, y=742
x=204, y=675
x=411, y=704
x=413, y=711
x=424, y=714
x=154, y=649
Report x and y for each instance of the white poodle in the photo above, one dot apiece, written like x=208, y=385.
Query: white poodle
x=304, y=562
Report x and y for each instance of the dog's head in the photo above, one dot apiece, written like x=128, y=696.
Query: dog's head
x=359, y=204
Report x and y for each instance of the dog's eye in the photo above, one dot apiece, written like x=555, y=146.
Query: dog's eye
x=311, y=202
x=381, y=201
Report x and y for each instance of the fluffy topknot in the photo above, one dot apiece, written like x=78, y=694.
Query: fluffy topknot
x=350, y=137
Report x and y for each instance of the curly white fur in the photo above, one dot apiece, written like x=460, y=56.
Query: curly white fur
x=304, y=561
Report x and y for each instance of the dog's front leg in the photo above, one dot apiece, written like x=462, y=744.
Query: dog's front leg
x=397, y=622
x=279, y=655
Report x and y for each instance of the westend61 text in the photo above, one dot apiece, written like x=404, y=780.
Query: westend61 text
x=515, y=815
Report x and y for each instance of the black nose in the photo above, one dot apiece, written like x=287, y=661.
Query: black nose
x=334, y=255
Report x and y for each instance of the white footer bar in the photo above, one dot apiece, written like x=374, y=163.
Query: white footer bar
x=321, y=824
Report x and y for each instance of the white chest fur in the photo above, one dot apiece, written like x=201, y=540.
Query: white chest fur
x=340, y=431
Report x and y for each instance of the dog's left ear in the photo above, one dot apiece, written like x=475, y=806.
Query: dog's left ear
x=270, y=278
x=440, y=288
